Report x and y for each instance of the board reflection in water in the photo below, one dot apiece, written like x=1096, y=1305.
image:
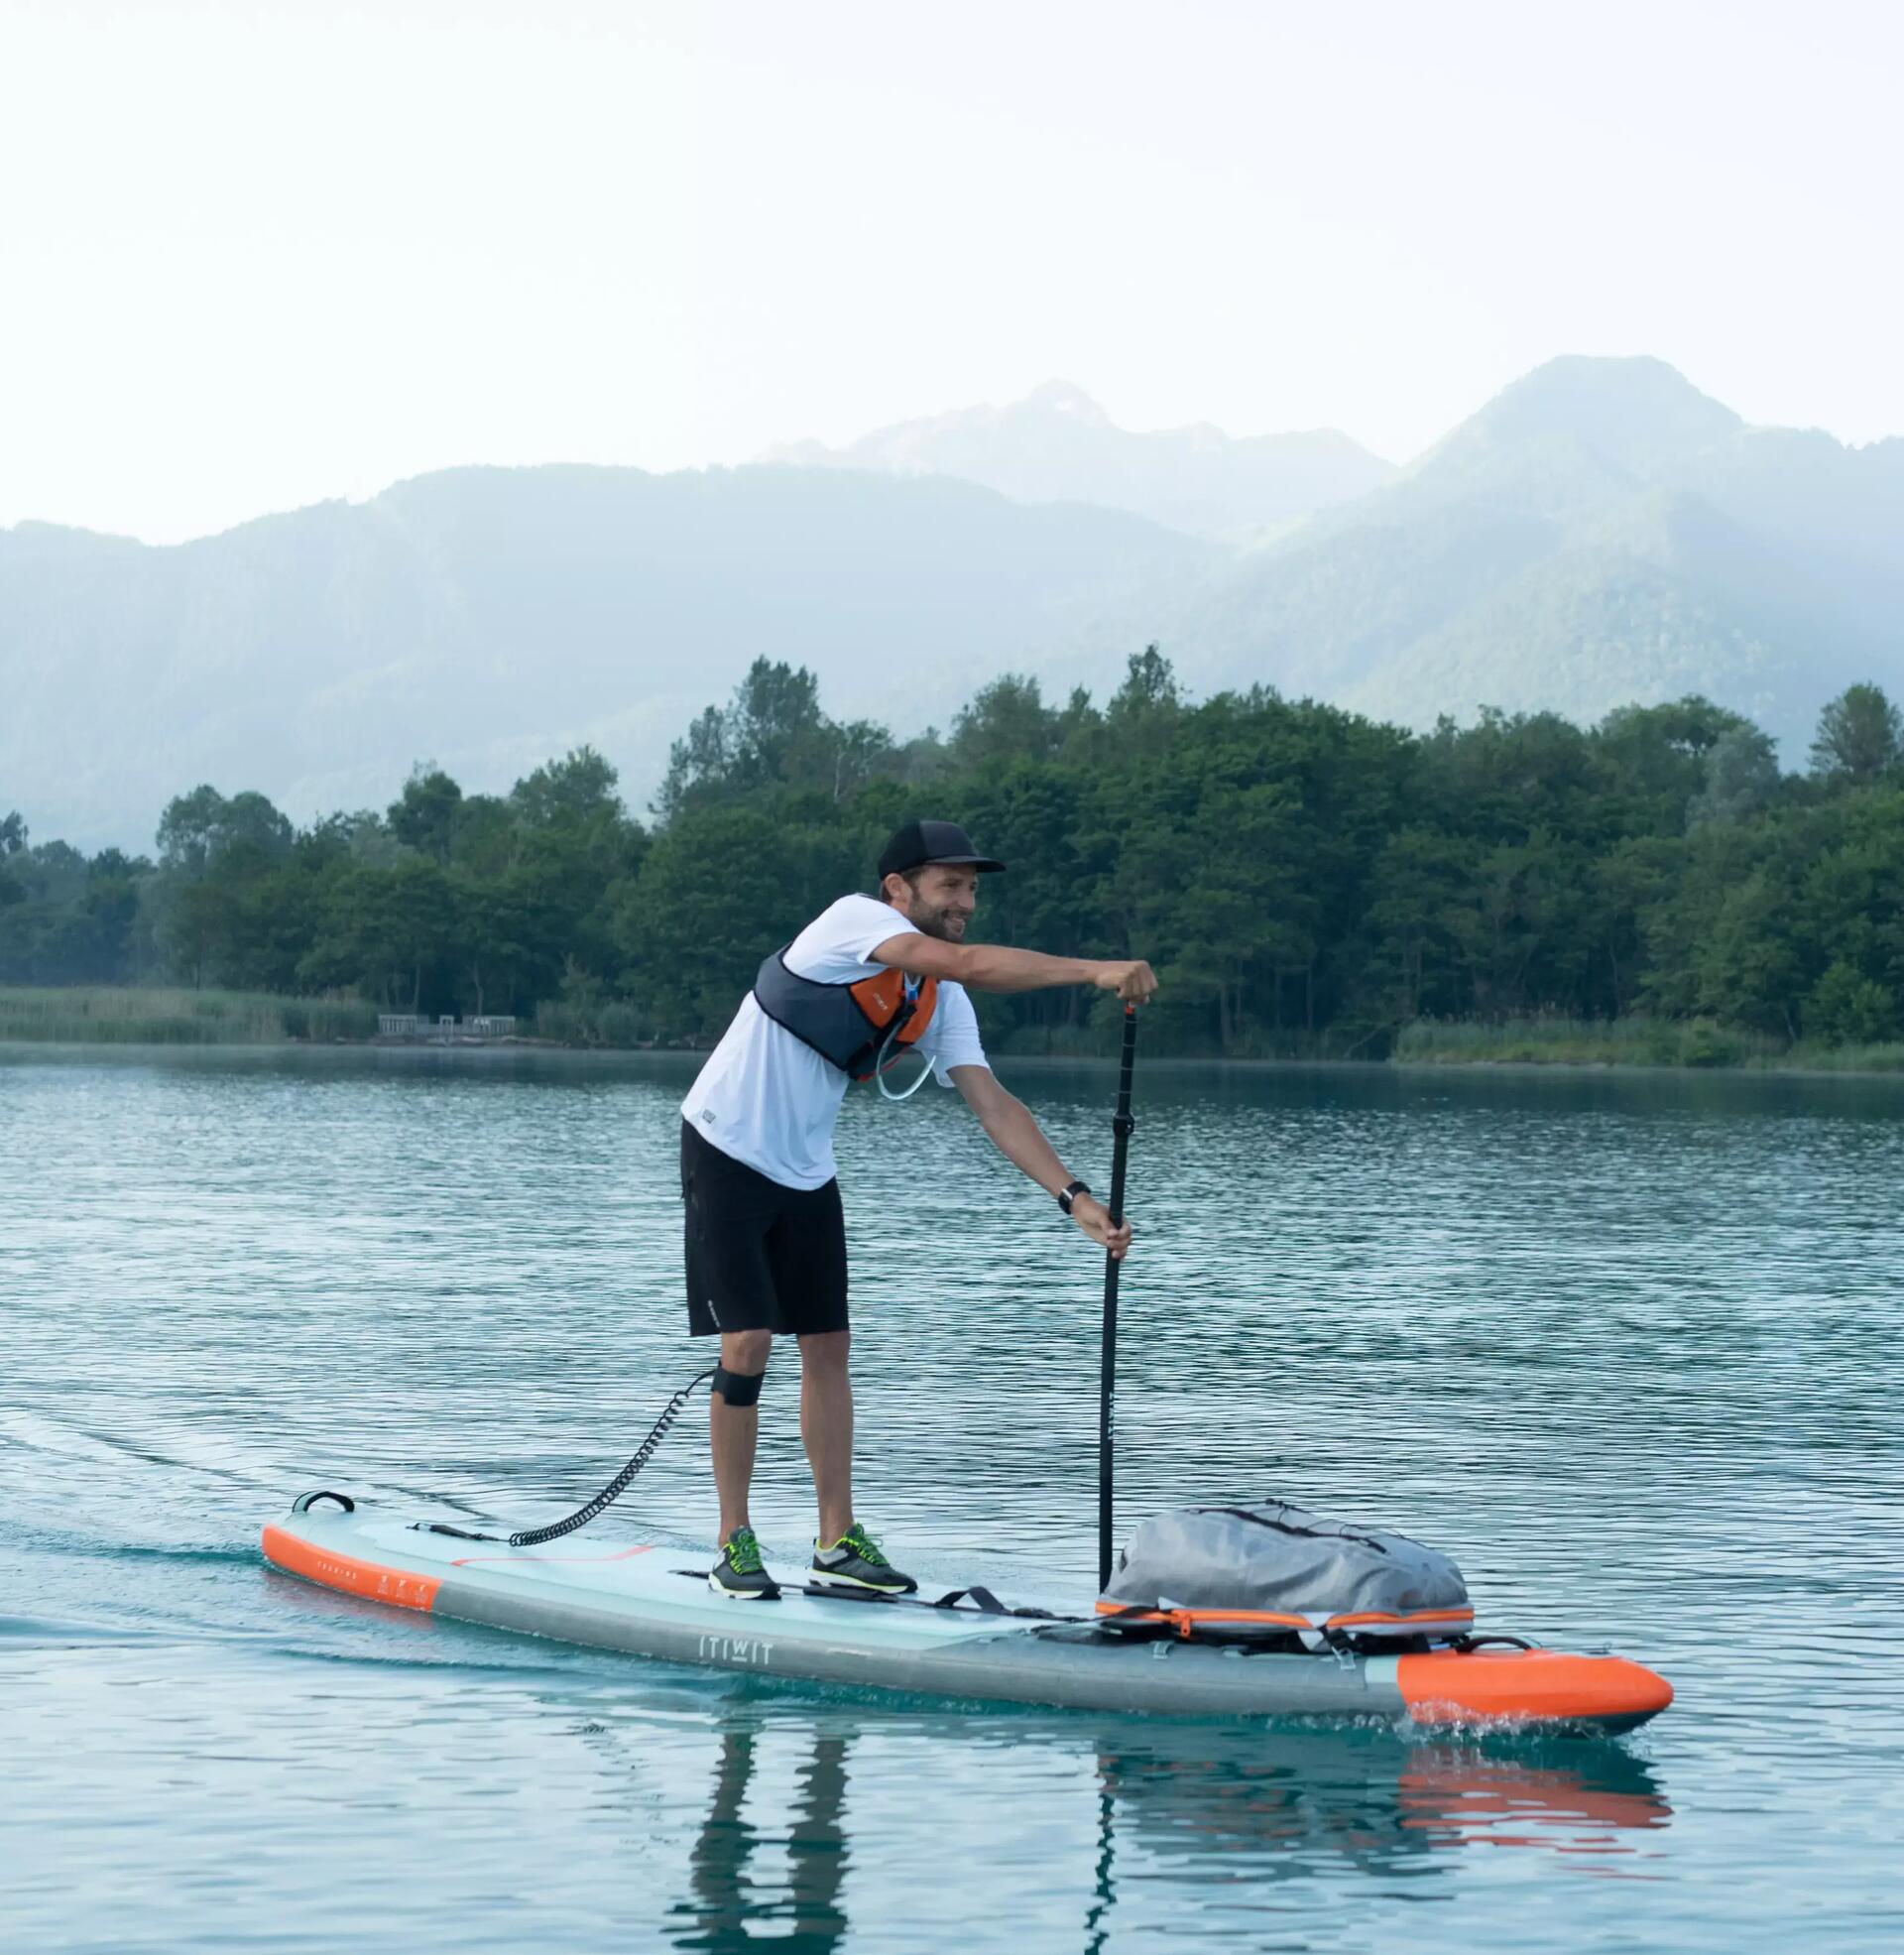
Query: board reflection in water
x=1244, y=1807
x=1271, y=1801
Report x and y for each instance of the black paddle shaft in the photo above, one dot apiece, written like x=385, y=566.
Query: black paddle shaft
x=1121, y=1126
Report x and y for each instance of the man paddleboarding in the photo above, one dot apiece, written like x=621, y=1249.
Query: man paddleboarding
x=870, y=980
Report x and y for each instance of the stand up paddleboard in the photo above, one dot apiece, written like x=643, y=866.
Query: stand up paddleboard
x=635, y=1598
x=638, y=1598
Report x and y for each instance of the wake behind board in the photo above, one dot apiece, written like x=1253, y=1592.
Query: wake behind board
x=634, y=1596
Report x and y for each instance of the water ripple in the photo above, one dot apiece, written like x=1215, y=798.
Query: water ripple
x=1630, y=1348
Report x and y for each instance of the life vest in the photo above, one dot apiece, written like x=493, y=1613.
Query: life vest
x=850, y=1025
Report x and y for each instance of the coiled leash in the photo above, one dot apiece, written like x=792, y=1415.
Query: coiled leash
x=726, y=1382
x=535, y=1537
x=616, y=1488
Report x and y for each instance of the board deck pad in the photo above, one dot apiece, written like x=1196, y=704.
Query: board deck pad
x=634, y=1596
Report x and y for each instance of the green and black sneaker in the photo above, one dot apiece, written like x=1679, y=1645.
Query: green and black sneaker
x=741, y=1573
x=855, y=1561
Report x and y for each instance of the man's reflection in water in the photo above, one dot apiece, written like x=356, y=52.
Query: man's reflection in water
x=726, y=1912
x=1239, y=1803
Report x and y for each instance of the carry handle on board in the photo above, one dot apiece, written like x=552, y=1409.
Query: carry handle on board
x=1121, y=1126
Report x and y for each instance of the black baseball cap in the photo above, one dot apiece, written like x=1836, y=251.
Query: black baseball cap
x=920, y=842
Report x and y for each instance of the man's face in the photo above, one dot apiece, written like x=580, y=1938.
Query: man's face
x=942, y=902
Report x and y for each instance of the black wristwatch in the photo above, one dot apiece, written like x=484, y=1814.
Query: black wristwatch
x=1075, y=1189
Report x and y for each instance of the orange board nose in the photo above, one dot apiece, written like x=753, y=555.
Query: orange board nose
x=1541, y=1684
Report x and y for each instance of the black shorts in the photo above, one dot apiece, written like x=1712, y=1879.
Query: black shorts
x=759, y=1257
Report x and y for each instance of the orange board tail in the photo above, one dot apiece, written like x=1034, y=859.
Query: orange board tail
x=347, y=1573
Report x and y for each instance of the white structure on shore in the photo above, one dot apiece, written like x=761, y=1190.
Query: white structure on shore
x=446, y=1030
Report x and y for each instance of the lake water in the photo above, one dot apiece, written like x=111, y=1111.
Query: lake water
x=1628, y=1347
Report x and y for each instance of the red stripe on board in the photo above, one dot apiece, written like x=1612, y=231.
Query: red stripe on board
x=560, y=1560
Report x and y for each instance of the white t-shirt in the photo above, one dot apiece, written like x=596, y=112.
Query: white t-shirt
x=770, y=1100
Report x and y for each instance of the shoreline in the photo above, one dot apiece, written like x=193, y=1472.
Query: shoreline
x=13, y=1048
x=111, y=1018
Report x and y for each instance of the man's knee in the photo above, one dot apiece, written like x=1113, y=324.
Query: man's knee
x=825, y=1350
x=744, y=1356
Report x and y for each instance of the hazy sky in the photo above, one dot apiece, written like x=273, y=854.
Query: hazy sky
x=256, y=255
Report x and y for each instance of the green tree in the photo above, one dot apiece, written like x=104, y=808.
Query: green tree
x=1416, y=926
x=498, y=926
x=483, y=836
x=1741, y=778
x=198, y=925
x=108, y=914
x=1143, y=711
x=578, y=790
x=1244, y=917
x=773, y=734
x=197, y=827
x=383, y=931
x=13, y=841
x=1625, y=889
x=1750, y=970
x=1859, y=734
x=424, y=815
x=1005, y=720
x=721, y=887
x=1848, y=1008
x=1655, y=761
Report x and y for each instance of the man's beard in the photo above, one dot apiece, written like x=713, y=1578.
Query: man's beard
x=932, y=922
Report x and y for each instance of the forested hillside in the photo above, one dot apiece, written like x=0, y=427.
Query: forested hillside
x=1306, y=881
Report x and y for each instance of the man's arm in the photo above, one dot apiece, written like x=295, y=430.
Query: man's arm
x=1022, y=1141
x=994, y=967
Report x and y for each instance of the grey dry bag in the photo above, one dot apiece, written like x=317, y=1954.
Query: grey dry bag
x=1273, y=1570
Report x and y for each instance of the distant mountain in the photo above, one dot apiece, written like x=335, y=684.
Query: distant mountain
x=1058, y=445
x=490, y=618
x=1599, y=532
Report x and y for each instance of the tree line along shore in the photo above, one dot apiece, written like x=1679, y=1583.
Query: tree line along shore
x=1309, y=884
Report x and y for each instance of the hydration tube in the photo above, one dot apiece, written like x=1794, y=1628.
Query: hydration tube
x=886, y=1045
